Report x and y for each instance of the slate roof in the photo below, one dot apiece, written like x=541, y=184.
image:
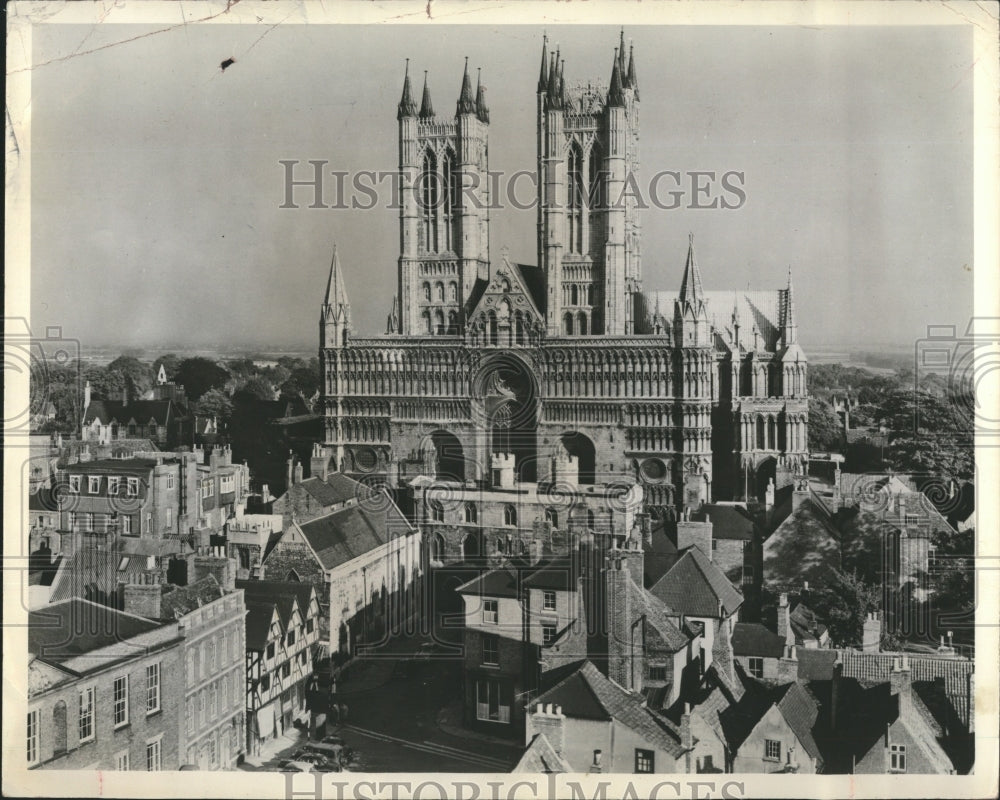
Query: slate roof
x=660, y=555
x=183, y=600
x=805, y=623
x=337, y=488
x=259, y=615
x=142, y=411
x=112, y=466
x=805, y=546
x=350, y=532
x=695, y=586
x=800, y=710
x=62, y=631
x=540, y=757
x=265, y=591
x=587, y=694
x=754, y=639
x=797, y=706
x=95, y=574
x=658, y=616
x=556, y=573
x=815, y=664
x=728, y=522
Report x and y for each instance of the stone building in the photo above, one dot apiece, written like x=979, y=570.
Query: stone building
x=363, y=559
x=102, y=689
x=282, y=628
x=165, y=422
x=696, y=396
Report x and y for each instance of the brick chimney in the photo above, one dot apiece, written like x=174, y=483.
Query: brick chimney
x=597, y=765
x=224, y=569
x=290, y=470
x=687, y=738
x=899, y=684
x=690, y=533
x=319, y=464
x=298, y=472
x=785, y=620
x=788, y=666
x=871, y=633
x=144, y=599
x=622, y=639
x=550, y=720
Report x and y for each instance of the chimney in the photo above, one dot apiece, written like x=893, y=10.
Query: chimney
x=694, y=533
x=144, y=599
x=899, y=684
x=687, y=738
x=298, y=472
x=319, y=464
x=769, y=496
x=290, y=470
x=788, y=666
x=785, y=620
x=800, y=492
x=550, y=720
x=86, y=397
x=536, y=550
x=224, y=570
x=645, y=525
x=621, y=635
x=838, y=669
x=871, y=634
x=597, y=766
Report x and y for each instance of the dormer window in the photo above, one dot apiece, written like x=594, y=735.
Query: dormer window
x=74, y=483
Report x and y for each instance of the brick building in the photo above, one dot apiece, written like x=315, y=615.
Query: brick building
x=103, y=689
x=165, y=422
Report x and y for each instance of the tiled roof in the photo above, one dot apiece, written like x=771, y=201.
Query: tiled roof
x=696, y=586
x=658, y=616
x=140, y=411
x=805, y=546
x=587, y=694
x=113, y=466
x=660, y=555
x=185, y=599
x=805, y=624
x=556, y=573
x=350, y=532
x=259, y=616
x=815, y=664
x=728, y=521
x=541, y=758
x=337, y=488
x=64, y=630
x=272, y=590
x=754, y=639
x=95, y=574
x=500, y=582
x=800, y=709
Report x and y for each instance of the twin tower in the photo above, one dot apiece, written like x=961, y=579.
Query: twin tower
x=588, y=227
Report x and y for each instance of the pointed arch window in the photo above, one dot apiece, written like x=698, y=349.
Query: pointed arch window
x=427, y=322
x=509, y=515
x=452, y=323
x=582, y=323
x=494, y=329
x=450, y=173
x=595, y=197
x=453, y=292
x=568, y=324
x=576, y=189
x=429, y=203
x=552, y=517
x=439, y=292
x=471, y=514
x=439, y=322
x=574, y=295
x=427, y=291
x=519, y=329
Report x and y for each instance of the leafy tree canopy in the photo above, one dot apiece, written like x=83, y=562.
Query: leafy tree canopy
x=198, y=375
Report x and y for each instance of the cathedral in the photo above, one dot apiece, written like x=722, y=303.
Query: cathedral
x=490, y=368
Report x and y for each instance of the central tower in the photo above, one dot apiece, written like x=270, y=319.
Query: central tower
x=588, y=225
x=443, y=217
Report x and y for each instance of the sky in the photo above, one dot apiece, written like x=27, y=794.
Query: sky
x=156, y=176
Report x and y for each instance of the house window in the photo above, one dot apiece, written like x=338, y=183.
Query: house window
x=127, y=525
x=658, y=673
x=548, y=600
x=897, y=758
x=265, y=683
x=490, y=611
x=309, y=626
x=302, y=657
x=286, y=669
x=153, y=756
x=643, y=761
x=747, y=575
x=270, y=650
x=548, y=633
x=32, y=737
x=86, y=715
x=94, y=484
x=191, y=672
x=121, y=761
x=772, y=750
x=491, y=649
x=488, y=705
x=291, y=638
x=132, y=487
x=756, y=666
x=203, y=660
x=437, y=511
x=212, y=754
x=235, y=645
x=113, y=484
x=471, y=514
x=120, y=698
x=509, y=515
x=74, y=483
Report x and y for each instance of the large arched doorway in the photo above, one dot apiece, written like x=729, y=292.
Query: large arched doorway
x=450, y=456
x=763, y=475
x=470, y=547
x=510, y=403
x=578, y=445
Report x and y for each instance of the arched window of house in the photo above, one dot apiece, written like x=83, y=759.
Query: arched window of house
x=575, y=217
x=509, y=515
x=552, y=517
x=471, y=513
x=437, y=511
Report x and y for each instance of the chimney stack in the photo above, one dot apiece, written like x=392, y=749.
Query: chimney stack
x=144, y=599
x=785, y=620
x=871, y=635
x=691, y=533
x=550, y=720
x=899, y=683
x=788, y=665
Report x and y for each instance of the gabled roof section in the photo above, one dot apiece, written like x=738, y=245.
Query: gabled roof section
x=337, y=488
x=695, y=586
x=805, y=546
x=185, y=599
x=524, y=281
x=262, y=591
x=728, y=521
x=350, y=532
x=540, y=757
x=62, y=631
x=588, y=694
x=260, y=614
x=140, y=411
x=658, y=616
x=800, y=710
x=754, y=639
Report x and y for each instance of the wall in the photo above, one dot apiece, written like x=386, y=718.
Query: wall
x=750, y=757
x=625, y=741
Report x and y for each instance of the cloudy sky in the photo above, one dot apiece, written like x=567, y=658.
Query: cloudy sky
x=156, y=181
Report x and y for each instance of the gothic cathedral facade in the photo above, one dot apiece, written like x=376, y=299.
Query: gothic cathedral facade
x=698, y=396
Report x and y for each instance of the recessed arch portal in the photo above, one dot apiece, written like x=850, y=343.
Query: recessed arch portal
x=579, y=445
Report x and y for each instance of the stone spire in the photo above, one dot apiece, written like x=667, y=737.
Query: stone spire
x=337, y=307
x=426, y=106
x=691, y=289
x=563, y=97
x=543, y=73
x=482, y=111
x=554, y=95
x=616, y=94
x=621, y=51
x=630, y=80
x=790, y=326
x=466, y=102
x=407, y=107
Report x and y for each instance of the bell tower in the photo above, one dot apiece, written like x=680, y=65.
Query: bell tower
x=444, y=216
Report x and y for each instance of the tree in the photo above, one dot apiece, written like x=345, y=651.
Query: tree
x=169, y=362
x=105, y=384
x=825, y=430
x=303, y=382
x=198, y=375
x=215, y=403
x=929, y=434
x=845, y=604
x=138, y=375
x=257, y=387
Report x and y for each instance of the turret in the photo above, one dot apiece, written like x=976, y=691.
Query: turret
x=426, y=106
x=616, y=93
x=789, y=328
x=690, y=313
x=630, y=79
x=335, y=318
x=482, y=111
x=466, y=103
x=407, y=107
